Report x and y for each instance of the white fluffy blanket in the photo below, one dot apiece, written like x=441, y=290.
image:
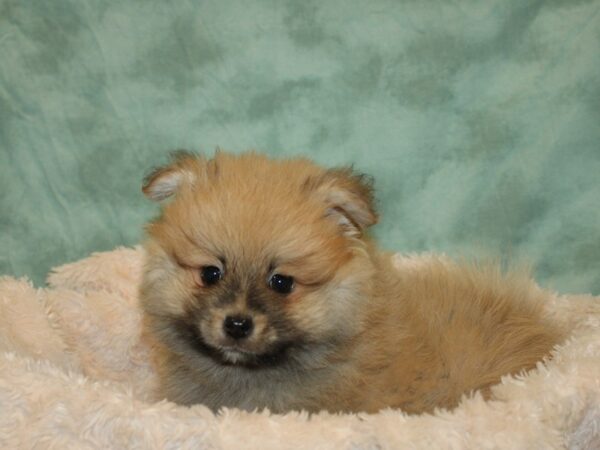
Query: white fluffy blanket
x=74, y=373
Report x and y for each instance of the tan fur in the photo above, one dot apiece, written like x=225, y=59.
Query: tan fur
x=372, y=336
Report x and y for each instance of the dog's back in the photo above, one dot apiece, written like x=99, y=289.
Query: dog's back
x=441, y=330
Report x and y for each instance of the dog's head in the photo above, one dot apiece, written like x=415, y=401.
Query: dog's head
x=253, y=258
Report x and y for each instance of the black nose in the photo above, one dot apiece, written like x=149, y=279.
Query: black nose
x=238, y=327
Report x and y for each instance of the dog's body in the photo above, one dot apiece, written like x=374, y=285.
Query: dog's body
x=261, y=291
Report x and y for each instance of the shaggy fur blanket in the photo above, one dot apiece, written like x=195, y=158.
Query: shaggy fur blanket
x=74, y=373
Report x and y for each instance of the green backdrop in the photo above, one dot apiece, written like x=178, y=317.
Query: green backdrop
x=480, y=119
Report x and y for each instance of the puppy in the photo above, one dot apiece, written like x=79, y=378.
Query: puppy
x=261, y=289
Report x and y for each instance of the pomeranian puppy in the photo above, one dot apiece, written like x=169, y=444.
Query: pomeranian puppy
x=261, y=289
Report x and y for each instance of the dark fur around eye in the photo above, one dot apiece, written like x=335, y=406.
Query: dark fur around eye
x=210, y=275
x=282, y=284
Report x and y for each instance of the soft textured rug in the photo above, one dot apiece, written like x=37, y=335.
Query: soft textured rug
x=74, y=373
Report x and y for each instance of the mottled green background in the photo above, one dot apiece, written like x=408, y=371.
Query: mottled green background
x=480, y=119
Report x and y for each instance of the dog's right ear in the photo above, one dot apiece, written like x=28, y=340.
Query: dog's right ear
x=165, y=181
x=349, y=199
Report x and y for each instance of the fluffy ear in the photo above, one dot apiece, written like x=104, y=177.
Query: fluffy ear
x=349, y=199
x=165, y=181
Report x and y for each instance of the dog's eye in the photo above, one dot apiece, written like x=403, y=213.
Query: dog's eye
x=210, y=275
x=281, y=283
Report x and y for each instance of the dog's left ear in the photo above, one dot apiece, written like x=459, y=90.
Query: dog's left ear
x=349, y=199
x=165, y=181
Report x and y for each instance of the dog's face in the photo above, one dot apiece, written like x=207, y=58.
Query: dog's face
x=254, y=260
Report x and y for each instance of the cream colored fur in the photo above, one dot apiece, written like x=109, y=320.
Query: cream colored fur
x=75, y=374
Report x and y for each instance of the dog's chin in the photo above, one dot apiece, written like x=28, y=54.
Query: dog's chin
x=234, y=355
x=275, y=355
